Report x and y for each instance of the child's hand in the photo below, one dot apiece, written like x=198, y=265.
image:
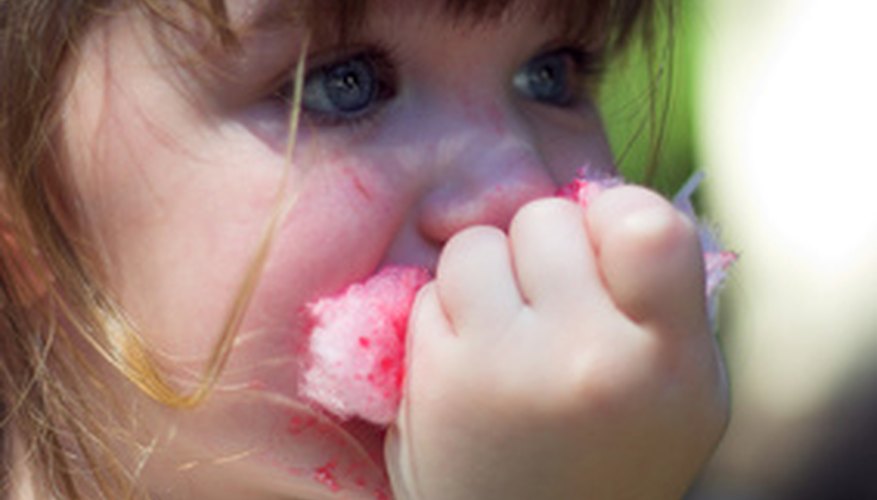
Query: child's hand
x=569, y=359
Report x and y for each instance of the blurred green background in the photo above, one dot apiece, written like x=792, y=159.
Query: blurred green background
x=648, y=100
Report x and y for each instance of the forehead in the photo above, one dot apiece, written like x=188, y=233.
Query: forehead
x=339, y=18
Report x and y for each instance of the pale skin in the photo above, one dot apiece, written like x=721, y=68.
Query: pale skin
x=557, y=354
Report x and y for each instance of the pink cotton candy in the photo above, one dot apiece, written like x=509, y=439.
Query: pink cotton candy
x=582, y=190
x=355, y=360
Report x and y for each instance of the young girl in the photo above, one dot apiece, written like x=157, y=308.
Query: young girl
x=161, y=236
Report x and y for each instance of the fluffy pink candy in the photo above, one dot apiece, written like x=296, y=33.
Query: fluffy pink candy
x=357, y=346
x=354, y=364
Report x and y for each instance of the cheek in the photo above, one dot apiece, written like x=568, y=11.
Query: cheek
x=567, y=157
x=569, y=141
x=177, y=262
x=347, y=215
x=566, y=153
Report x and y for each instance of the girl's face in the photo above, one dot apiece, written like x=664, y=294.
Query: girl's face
x=415, y=128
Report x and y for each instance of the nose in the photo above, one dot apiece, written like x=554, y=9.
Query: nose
x=482, y=178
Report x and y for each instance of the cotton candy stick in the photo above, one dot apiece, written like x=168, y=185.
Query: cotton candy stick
x=354, y=362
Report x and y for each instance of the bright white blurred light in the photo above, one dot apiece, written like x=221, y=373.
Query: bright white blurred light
x=812, y=131
x=803, y=125
x=789, y=122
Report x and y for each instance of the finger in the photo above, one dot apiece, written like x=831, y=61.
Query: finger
x=476, y=281
x=432, y=354
x=650, y=258
x=552, y=254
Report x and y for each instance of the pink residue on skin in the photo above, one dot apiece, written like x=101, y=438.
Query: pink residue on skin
x=359, y=185
x=325, y=475
x=341, y=470
x=301, y=423
x=582, y=190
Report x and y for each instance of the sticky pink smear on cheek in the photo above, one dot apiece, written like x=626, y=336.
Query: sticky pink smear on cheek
x=325, y=475
x=358, y=184
x=339, y=470
x=354, y=364
x=332, y=476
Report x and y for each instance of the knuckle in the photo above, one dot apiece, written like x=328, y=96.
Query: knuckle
x=635, y=376
x=541, y=210
x=473, y=237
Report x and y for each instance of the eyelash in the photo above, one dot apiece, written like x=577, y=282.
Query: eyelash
x=589, y=66
x=585, y=69
x=379, y=58
x=586, y=66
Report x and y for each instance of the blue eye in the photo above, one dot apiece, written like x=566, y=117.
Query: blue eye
x=552, y=78
x=346, y=89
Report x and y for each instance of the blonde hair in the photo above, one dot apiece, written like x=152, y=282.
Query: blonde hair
x=55, y=317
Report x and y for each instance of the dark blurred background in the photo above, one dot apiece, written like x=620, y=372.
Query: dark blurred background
x=777, y=103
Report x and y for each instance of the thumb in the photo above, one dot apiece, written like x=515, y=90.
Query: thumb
x=427, y=325
x=399, y=467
